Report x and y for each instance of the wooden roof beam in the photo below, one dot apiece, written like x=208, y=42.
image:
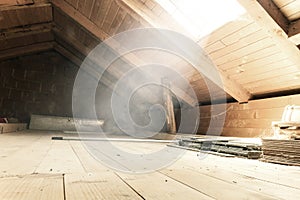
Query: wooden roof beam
x=267, y=23
x=95, y=30
x=29, y=49
x=11, y=3
x=80, y=18
x=17, y=16
x=273, y=10
x=290, y=28
x=78, y=61
x=294, y=32
x=231, y=87
x=15, y=2
x=26, y=30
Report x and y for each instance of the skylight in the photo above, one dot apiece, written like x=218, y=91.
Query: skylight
x=201, y=17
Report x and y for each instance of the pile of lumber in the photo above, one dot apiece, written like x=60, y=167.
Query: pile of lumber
x=222, y=146
x=281, y=151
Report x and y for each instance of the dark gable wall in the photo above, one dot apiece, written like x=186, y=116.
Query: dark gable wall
x=36, y=84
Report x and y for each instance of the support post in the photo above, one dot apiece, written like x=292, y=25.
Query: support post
x=167, y=97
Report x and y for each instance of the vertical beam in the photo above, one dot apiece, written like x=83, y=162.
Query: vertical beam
x=171, y=123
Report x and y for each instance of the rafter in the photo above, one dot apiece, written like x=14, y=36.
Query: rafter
x=231, y=87
x=25, y=50
x=275, y=13
x=80, y=18
x=78, y=61
x=294, y=32
x=15, y=2
x=29, y=35
x=16, y=16
x=267, y=23
x=95, y=30
x=292, y=29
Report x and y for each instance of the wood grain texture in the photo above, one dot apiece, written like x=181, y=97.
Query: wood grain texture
x=18, y=16
x=36, y=186
x=192, y=176
x=105, y=185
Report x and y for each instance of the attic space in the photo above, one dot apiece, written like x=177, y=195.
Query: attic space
x=149, y=99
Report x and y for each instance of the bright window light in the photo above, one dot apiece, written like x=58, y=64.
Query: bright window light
x=201, y=17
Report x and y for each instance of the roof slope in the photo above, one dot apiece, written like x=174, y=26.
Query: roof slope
x=256, y=54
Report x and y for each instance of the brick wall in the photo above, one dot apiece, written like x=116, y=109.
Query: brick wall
x=36, y=84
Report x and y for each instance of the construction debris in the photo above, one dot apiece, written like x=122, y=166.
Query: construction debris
x=281, y=151
x=230, y=146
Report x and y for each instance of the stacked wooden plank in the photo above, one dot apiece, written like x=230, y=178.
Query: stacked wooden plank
x=231, y=147
x=281, y=151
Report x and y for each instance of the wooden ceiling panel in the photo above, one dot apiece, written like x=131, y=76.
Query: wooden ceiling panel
x=116, y=23
x=21, y=16
x=252, y=57
x=110, y=16
x=227, y=30
x=252, y=53
x=65, y=27
x=287, y=71
x=26, y=39
x=242, y=49
x=290, y=8
x=99, y=15
x=15, y=2
x=277, y=84
x=239, y=74
x=25, y=50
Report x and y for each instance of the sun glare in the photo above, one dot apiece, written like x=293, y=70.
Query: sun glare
x=201, y=17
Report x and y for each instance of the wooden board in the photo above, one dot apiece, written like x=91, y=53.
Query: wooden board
x=213, y=187
x=55, y=160
x=24, y=155
x=105, y=185
x=164, y=187
x=22, y=16
x=37, y=186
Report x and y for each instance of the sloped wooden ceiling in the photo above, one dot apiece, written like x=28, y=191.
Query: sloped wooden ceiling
x=254, y=56
x=25, y=27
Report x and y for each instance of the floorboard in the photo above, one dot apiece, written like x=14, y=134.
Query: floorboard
x=105, y=185
x=29, y=187
x=32, y=166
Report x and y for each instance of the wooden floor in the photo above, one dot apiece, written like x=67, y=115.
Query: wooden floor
x=32, y=166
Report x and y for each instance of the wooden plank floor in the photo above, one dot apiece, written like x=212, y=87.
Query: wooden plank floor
x=32, y=166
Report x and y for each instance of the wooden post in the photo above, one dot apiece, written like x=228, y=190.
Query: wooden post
x=167, y=97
